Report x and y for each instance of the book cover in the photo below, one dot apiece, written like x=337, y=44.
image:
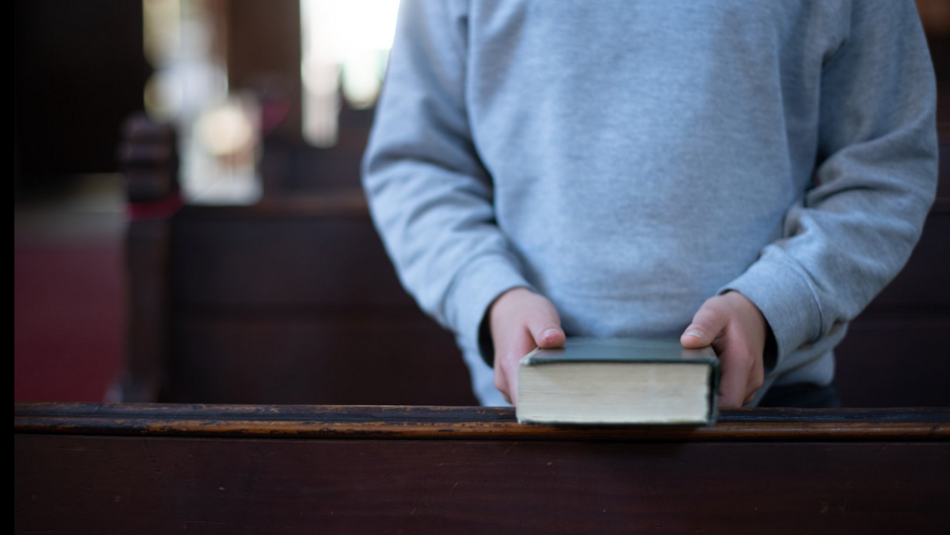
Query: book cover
x=619, y=381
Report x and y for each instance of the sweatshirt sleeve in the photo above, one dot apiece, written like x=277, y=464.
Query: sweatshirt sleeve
x=876, y=180
x=429, y=194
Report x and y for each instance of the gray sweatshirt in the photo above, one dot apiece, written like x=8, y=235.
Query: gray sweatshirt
x=630, y=159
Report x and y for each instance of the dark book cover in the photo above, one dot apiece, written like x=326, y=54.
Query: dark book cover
x=631, y=351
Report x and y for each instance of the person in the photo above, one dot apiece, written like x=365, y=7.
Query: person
x=746, y=175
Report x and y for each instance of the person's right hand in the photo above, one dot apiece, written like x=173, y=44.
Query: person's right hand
x=520, y=321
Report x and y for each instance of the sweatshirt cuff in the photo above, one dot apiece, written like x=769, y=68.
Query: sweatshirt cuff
x=785, y=299
x=475, y=288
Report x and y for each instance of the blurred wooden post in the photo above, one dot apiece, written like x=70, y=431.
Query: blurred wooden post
x=935, y=15
x=149, y=161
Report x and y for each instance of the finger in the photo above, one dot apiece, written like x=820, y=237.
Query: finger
x=731, y=388
x=737, y=367
x=501, y=382
x=707, y=325
x=756, y=379
x=749, y=398
x=517, y=347
x=544, y=326
x=756, y=376
x=512, y=376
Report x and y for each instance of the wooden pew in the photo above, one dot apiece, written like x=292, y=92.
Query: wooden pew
x=291, y=300
x=369, y=469
x=294, y=300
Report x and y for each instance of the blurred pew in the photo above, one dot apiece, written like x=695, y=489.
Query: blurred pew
x=897, y=352
x=294, y=300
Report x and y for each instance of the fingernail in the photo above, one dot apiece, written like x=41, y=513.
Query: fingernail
x=550, y=333
x=694, y=333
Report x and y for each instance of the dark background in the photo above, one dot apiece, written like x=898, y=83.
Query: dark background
x=79, y=71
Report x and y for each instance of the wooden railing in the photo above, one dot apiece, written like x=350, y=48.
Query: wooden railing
x=369, y=469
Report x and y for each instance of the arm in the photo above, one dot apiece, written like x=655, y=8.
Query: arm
x=876, y=175
x=430, y=196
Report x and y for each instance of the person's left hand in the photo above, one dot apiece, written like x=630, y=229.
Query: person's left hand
x=736, y=329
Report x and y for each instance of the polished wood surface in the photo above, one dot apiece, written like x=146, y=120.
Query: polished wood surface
x=465, y=423
x=270, y=469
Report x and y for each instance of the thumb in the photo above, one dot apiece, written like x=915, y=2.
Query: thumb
x=545, y=327
x=705, y=328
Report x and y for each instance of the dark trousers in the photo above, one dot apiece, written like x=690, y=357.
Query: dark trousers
x=802, y=396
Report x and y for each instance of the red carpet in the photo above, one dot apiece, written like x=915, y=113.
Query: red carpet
x=68, y=328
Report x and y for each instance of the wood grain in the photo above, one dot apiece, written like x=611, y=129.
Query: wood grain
x=466, y=423
x=266, y=469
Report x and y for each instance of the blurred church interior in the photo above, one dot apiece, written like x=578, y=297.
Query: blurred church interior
x=189, y=224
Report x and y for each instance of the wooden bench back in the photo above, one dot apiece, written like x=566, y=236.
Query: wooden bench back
x=294, y=300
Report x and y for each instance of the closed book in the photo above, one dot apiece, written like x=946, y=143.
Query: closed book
x=617, y=381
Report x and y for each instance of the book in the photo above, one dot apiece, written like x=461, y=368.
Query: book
x=618, y=381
